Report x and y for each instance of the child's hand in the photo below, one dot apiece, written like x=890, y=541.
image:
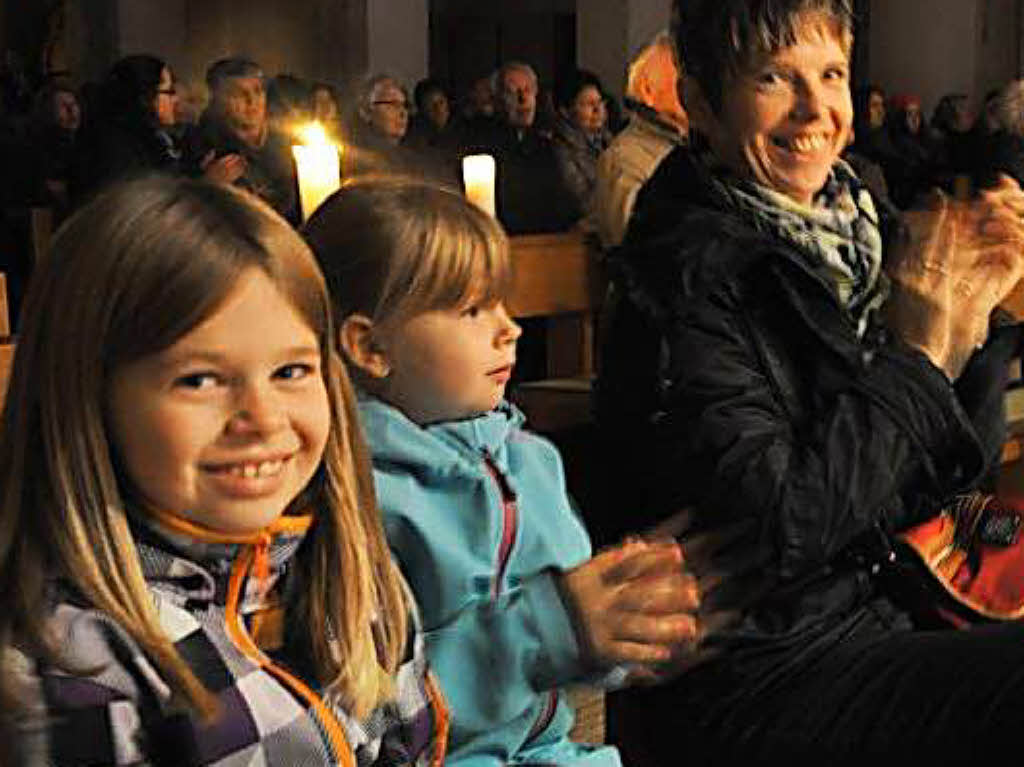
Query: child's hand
x=634, y=603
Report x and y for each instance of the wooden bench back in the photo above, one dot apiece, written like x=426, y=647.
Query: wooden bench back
x=6, y=361
x=5, y=309
x=6, y=342
x=559, y=277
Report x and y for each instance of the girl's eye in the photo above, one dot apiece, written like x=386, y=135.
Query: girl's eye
x=197, y=381
x=471, y=311
x=295, y=372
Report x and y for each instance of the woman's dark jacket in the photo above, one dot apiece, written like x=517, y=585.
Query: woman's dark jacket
x=734, y=382
x=118, y=148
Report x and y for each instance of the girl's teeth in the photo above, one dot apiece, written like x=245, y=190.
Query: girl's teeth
x=253, y=470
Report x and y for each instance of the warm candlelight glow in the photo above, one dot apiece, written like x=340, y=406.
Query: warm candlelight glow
x=318, y=165
x=478, y=175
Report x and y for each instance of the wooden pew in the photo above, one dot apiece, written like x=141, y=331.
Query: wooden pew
x=41, y=223
x=559, y=277
x=6, y=342
x=6, y=360
x=5, y=310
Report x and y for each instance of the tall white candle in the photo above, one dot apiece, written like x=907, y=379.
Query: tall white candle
x=478, y=172
x=318, y=165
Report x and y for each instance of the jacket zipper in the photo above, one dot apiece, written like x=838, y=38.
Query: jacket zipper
x=547, y=713
x=510, y=527
x=510, y=523
x=243, y=641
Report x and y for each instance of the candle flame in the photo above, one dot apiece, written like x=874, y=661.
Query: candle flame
x=314, y=135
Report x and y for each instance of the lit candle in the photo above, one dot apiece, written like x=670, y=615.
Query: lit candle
x=478, y=175
x=319, y=168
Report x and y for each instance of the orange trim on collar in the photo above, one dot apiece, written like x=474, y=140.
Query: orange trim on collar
x=286, y=523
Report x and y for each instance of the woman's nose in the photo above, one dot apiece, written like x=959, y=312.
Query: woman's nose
x=809, y=101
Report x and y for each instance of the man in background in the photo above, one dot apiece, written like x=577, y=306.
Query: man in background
x=233, y=142
x=657, y=125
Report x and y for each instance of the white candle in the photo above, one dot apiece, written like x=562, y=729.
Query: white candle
x=318, y=165
x=478, y=175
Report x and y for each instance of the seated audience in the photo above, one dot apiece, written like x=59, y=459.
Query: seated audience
x=908, y=171
x=53, y=137
x=289, y=105
x=515, y=606
x=951, y=140
x=233, y=142
x=657, y=125
x=129, y=133
x=763, y=369
x=326, y=109
x=431, y=126
x=531, y=195
x=871, y=150
x=1003, y=151
x=580, y=133
x=381, y=122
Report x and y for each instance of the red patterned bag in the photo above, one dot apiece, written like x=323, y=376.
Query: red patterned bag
x=975, y=550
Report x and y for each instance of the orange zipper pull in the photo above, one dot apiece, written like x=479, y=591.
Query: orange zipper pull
x=261, y=561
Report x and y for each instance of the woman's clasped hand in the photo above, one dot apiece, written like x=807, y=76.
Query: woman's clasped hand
x=952, y=264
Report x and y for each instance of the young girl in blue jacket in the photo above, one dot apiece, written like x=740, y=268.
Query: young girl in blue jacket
x=475, y=508
x=193, y=566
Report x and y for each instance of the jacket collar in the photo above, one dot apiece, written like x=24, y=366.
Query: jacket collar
x=192, y=563
x=651, y=120
x=440, y=449
x=675, y=203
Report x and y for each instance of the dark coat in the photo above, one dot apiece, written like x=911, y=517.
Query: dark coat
x=530, y=193
x=120, y=148
x=734, y=381
x=270, y=170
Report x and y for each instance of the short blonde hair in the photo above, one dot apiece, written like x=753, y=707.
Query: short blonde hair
x=394, y=247
x=127, y=276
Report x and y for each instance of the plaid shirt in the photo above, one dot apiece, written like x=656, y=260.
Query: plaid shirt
x=211, y=602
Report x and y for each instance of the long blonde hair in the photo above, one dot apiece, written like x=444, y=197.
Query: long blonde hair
x=127, y=276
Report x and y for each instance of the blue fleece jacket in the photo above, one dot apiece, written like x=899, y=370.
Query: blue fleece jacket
x=477, y=514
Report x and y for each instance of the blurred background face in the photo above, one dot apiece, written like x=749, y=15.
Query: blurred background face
x=243, y=103
x=437, y=109
x=912, y=114
x=481, y=97
x=166, y=99
x=519, y=98
x=876, y=109
x=963, y=117
x=388, y=112
x=588, y=111
x=67, y=113
x=324, y=107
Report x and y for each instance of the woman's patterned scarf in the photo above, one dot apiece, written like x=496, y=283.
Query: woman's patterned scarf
x=838, y=232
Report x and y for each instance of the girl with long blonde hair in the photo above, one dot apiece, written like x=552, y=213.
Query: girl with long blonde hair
x=190, y=550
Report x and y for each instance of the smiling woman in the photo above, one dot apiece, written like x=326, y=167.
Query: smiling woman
x=762, y=368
